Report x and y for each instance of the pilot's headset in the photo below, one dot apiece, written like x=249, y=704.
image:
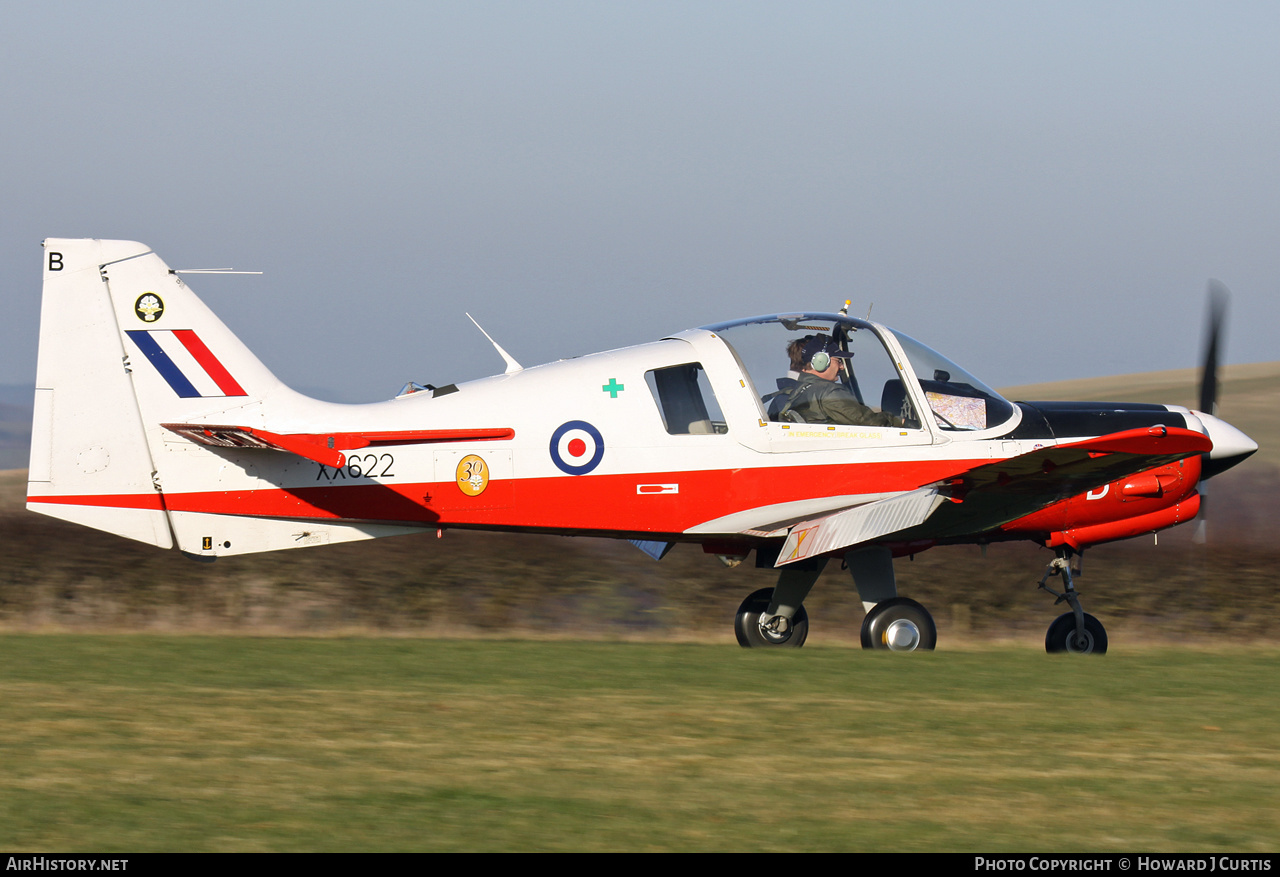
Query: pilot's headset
x=820, y=361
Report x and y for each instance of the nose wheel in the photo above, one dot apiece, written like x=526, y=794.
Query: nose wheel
x=1075, y=632
x=1063, y=636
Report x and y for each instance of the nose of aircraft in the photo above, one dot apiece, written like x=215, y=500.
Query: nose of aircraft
x=1230, y=445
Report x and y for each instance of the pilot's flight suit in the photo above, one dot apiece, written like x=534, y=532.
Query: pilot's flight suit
x=821, y=401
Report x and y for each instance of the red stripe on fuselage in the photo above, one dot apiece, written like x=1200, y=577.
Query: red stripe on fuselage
x=106, y=500
x=588, y=502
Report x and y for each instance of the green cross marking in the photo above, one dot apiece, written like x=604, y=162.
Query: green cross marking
x=613, y=388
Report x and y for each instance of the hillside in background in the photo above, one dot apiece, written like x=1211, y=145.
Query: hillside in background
x=15, y=425
x=1248, y=397
x=55, y=575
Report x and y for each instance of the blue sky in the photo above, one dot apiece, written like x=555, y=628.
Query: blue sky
x=1038, y=190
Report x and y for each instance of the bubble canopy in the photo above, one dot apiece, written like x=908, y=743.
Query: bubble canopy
x=880, y=367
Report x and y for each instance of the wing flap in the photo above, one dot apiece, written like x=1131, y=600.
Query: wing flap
x=863, y=523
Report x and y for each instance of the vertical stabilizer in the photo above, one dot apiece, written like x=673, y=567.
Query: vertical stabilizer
x=89, y=458
x=125, y=348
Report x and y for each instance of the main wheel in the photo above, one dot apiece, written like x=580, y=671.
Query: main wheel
x=900, y=625
x=752, y=636
x=1062, y=636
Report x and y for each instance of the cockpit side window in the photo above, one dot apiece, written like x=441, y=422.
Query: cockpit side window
x=768, y=351
x=685, y=400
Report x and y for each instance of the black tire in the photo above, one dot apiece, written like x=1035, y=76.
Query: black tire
x=747, y=625
x=899, y=625
x=1061, y=636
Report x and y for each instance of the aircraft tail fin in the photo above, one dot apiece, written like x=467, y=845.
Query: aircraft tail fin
x=124, y=347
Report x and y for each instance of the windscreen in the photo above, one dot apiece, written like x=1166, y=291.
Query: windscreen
x=958, y=400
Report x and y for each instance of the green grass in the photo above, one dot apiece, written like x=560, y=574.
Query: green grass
x=136, y=743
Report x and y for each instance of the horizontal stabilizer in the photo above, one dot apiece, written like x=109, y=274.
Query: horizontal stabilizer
x=325, y=448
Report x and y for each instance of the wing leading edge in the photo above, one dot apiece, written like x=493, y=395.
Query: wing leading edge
x=993, y=494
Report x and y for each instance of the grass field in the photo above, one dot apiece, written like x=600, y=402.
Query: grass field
x=136, y=743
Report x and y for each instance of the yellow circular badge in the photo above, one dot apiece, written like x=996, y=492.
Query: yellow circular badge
x=473, y=475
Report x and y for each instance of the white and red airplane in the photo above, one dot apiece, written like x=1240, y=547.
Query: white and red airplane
x=154, y=422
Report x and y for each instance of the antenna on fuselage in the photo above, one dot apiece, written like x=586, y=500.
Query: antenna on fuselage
x=512, y=365
x=209, y=271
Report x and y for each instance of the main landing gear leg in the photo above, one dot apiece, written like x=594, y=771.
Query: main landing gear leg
x=775, y=616
x=892, y=622
x=1076, y=631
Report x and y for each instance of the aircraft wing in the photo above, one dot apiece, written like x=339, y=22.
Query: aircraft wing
x=324, y=448
x=996, y=493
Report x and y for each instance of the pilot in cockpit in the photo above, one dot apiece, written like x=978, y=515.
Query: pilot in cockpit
x=817, y=395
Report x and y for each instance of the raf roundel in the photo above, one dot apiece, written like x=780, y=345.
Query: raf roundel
x=577, y=447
